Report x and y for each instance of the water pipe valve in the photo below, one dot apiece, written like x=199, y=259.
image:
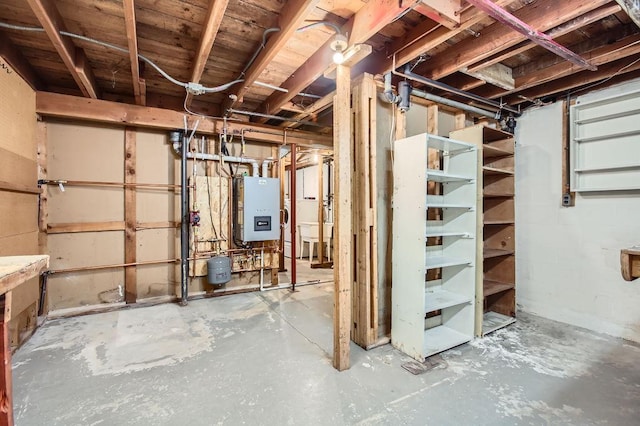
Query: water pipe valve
x=194, y=217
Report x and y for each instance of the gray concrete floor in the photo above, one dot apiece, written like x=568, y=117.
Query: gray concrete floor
x=265, y=358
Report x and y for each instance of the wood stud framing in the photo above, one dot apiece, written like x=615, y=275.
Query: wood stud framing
x=139, y=87
x=130, y=244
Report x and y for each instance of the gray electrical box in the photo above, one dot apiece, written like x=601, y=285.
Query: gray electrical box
x=256, y=208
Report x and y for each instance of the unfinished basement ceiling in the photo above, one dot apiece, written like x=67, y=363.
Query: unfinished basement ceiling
x=170, y=33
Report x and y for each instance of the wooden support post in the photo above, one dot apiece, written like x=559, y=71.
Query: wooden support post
x=460, y=121
x=365, y=291
x=343, y=272
x=130, y=276
x=6, y=400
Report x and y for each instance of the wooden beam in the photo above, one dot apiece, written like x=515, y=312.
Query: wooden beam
x=425, y=38
x=601, y=55
x=630, y=263
x=445, y=12
x=6, y=385
x=132, y=42
x=530, y=32
x=343, y=241
x=292, y=16
x=542, y=14
x=608, y=71
x=70, y=228
x=15, y=187
x=19, y=64
x=73, y=57
x=130, y=241
x=631, y=8
x=363, y=25
x=497, y=74
x=318, y=106
x=211, y=25
x=73, y=107
x=565, y=28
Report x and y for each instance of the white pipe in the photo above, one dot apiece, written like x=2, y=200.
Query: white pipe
x=265, y=166
x=228, y=158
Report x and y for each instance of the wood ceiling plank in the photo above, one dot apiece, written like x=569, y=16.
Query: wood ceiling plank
x=565, y=28
x=73, y=57
x=370, y=19
x=132, y=42
x=20, y=65
x=215, y=13
x=542, y=15
x=291, y=18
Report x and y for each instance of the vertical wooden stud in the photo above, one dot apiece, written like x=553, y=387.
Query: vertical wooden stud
x=43, y=207
x=460, y=120
x=130, y=275
x=282, y=173
x=566, y=168
x=343, y=272
x=320, y=209
x=6, y=400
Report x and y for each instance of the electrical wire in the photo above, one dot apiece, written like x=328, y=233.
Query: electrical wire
x=123, y=50
x=605, y=80
x=320, y=23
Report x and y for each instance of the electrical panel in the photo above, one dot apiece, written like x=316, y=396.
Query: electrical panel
x=256, y=208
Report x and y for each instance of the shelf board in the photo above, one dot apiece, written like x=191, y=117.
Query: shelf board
x=489, y=253
x=608, y=169
x=442, y=299
x=441, y=338
x=499, y=222
x=434, y=262
x=441, y=176
x=489, y=151
x=498, y=195
x=492, y=321
x=491, y=287
x=449, y=206
x=436, y=233
x=450, y=145
x=495, y=171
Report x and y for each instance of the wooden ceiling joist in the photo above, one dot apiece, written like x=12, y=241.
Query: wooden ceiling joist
x=365, y=23
x=19, y=64
x=139, y=88
x=73, y=57
x=291, y=18
x=532, y=33
x=565, y=28
x=212, y=22
x=542, y=14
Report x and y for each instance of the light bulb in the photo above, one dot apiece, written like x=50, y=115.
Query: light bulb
x=338, y=58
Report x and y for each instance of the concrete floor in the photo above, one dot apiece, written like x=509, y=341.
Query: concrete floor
x=264, y=358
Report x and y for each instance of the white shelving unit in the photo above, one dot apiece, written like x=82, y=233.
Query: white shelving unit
x=447, y=245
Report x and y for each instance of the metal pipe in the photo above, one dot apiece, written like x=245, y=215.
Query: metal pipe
x=271, y=86
x=455, y=104
x=184, y=223
x=538, y=37
x=292, y=198
x=227, y=158
x=442, y=86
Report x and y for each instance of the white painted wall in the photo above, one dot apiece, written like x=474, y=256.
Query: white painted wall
x=568, y=258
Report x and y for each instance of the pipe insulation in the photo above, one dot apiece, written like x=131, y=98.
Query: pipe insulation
x=455, y=104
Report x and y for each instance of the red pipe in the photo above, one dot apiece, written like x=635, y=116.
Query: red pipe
x=540, y=38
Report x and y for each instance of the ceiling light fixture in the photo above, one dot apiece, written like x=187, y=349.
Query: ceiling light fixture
x=338, y=45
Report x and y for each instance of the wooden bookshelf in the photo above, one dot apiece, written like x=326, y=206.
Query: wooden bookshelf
x=495, y=260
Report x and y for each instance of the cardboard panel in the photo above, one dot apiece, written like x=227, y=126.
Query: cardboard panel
x=19, y=213
x=85, y=288
x=85, y=152
x=17, y=169
x=85, y=204
x=17, y=116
